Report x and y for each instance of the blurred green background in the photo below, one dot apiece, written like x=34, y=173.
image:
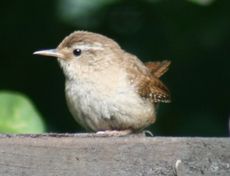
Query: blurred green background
x=194, y=34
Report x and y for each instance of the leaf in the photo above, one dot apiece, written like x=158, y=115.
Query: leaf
x=18, y=114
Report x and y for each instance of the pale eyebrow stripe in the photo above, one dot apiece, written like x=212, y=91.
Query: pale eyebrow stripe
x=88, y=46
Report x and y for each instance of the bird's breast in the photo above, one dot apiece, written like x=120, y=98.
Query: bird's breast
x=94, y=101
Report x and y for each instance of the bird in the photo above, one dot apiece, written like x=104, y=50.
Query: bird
x=108, y=90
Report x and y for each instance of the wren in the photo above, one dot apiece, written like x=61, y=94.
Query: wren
x=108, y=90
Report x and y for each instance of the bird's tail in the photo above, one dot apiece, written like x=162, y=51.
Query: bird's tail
x=158, y=68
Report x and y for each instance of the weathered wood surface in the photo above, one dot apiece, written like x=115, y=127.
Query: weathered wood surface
x=83, y=155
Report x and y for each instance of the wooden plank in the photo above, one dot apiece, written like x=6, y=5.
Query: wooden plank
x=85, y=154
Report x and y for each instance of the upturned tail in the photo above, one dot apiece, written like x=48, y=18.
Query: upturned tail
x=158, y=68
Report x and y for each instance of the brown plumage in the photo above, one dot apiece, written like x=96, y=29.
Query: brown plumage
x=147, y=83
x=153, y=88
x=158, y=68
x=149, y=86
x=87, y=37
x=107, y=88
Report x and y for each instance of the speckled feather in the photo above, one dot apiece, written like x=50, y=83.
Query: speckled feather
x=145, y=78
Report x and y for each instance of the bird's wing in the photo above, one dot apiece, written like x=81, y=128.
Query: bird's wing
x=154, y=90
x=158, y=68
x=145, y=79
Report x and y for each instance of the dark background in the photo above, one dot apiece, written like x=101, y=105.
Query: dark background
x=195, y=36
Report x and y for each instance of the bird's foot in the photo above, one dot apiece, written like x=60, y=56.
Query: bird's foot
x=148, y=133
x=113, y=133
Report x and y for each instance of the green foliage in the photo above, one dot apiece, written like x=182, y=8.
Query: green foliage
x=202, y=2
x=18, y=114
x=82, y=12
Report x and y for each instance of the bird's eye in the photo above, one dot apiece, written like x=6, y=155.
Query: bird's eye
x=77, y=52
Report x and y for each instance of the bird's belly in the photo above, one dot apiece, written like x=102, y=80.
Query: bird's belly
x=120, y=110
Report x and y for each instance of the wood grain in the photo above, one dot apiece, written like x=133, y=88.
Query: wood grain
x=85, y=154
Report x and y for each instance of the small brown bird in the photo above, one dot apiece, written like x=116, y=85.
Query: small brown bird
x=108, y=90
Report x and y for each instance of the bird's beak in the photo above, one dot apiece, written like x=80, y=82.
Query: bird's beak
x=49, y=52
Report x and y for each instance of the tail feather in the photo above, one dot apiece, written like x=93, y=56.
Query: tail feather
x=158, y=68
